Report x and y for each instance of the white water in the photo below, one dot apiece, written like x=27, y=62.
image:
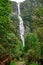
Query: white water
x=18, y=1
x=21, y=26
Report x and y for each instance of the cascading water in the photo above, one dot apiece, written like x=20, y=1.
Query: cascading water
x=21, y=26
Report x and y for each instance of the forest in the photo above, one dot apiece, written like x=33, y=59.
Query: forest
x=12, y=51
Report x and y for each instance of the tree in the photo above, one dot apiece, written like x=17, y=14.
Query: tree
x=9, y=42
x=32, y=47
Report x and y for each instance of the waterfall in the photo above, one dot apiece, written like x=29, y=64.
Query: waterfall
x=21, y=26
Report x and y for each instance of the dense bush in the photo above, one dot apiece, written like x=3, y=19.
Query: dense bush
x=32, y=47
x=9, y=42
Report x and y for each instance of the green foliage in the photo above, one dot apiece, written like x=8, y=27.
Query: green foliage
x=39, y=11
x=31, y=54
x=32, y=14
x=12, y=63
x=32, y=42
x=33, y=63
x=4, y=23
x=38, y=18
x=5, y=8
x=9, y=42
x=40, y=34
x=32, y=47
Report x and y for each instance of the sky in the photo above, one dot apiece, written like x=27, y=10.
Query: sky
x=18, y=1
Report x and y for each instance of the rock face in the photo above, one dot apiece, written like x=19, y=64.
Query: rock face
x=27, y=9
x=27, y=12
